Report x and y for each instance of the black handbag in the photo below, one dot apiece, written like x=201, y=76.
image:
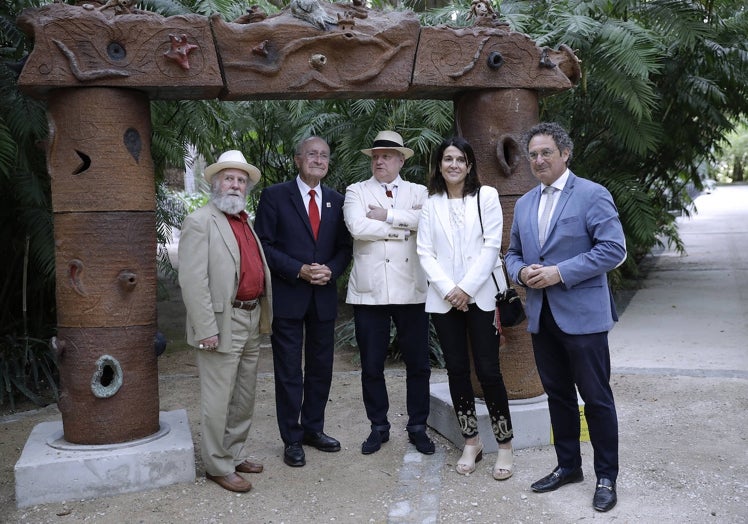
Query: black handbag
x=509, y=304
x=509, y=309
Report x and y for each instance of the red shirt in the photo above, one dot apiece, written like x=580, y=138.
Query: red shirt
x=251, y=271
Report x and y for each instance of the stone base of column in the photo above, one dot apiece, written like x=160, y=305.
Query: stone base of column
x=530, y=420
x=53, y=470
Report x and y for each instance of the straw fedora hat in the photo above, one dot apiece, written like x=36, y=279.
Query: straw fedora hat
x=389, y=140
x=232, y=159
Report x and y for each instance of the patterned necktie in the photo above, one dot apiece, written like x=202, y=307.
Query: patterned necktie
x=543, y=224
x=313, y=213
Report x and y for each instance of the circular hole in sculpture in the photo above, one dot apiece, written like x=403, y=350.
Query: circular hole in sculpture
x=495, y=60
x=116, y=51
x=107, y=378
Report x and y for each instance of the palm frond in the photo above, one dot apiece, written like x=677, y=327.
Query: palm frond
x=164, y=7
x=8, y=150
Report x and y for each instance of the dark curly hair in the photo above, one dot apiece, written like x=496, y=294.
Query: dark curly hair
x=437, y=184
x=556, y=132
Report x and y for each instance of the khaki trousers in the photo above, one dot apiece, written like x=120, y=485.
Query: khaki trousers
x=227, y=393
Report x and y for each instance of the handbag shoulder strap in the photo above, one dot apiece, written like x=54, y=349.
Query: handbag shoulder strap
x=501, y=255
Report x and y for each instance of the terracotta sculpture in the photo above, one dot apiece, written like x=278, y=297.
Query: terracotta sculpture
x=99, y=68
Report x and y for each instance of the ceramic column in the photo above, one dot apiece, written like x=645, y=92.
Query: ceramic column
x=103, y=199
x=492, y=121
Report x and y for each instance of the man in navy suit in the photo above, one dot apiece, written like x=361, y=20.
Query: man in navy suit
x=565, y=237
x=307, y=246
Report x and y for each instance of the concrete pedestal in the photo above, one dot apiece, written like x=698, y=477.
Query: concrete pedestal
x=52, y=470
x=530, y=420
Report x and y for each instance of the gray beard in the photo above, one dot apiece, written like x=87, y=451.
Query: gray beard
x=229, y=204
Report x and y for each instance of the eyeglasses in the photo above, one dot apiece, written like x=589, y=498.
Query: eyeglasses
x=545, y=154
x=311, y=155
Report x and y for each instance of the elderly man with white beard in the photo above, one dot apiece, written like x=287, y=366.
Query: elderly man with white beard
x=226, y=291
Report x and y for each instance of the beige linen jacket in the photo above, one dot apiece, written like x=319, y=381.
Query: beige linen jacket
x=209, y=276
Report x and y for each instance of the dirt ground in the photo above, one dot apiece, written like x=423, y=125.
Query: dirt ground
x=684, y=461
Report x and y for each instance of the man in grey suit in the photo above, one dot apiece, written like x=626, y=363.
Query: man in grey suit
x=226, y=291
x=565, y=237
x=388, y=285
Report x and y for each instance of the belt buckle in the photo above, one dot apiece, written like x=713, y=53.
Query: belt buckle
x=247, y=305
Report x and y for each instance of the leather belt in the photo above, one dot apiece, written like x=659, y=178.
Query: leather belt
x=249, y=305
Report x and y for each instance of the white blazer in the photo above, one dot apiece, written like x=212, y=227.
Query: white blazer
x=480, y=251
x=385, y=264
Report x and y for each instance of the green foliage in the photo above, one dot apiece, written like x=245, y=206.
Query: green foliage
x=192, y=201
x=731, y=167
x=267, y=133
x=26, y=368
x=663, y=82
x=27, y=305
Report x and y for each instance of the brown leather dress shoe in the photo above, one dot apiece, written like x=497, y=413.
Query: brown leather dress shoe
x=249, y=467
x=231, y=482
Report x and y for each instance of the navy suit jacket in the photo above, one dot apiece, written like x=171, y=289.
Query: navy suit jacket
x=282, y=224
x=585, y=240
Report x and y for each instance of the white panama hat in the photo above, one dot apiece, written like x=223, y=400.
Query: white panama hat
x=389, y=140
x=232, y=159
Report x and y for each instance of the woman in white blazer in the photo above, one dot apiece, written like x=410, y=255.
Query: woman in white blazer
x=458, y=257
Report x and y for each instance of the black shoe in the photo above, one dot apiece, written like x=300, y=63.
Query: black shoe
x=422, y=442
x=374, y=441
x=293, y=455
x=321, y=441
x=558, y=478
x=605, y=495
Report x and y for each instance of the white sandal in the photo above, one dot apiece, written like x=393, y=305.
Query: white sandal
x=471, y=454
x=504, y=467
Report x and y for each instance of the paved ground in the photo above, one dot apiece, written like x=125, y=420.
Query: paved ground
x=680, y=362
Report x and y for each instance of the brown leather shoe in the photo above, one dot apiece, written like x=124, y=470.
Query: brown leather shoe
x=231, y=482
x=249, y=467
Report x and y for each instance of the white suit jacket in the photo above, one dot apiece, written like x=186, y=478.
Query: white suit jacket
x=480, y=250
x=385, y=264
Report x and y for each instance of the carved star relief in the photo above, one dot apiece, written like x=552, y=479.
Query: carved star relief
x=180, y=50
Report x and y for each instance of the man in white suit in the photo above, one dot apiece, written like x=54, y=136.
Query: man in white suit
x=226, y=291
x=387, y=285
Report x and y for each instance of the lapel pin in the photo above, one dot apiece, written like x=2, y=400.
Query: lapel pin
x=327, y=204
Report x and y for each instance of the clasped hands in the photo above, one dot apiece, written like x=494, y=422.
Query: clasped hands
x=316, y=274
x=537, y=276
x=458, y=298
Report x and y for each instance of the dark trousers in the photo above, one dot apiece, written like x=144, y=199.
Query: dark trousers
x=458, y=331
x=564, y=361
x=300, y=398
x=373, y=338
